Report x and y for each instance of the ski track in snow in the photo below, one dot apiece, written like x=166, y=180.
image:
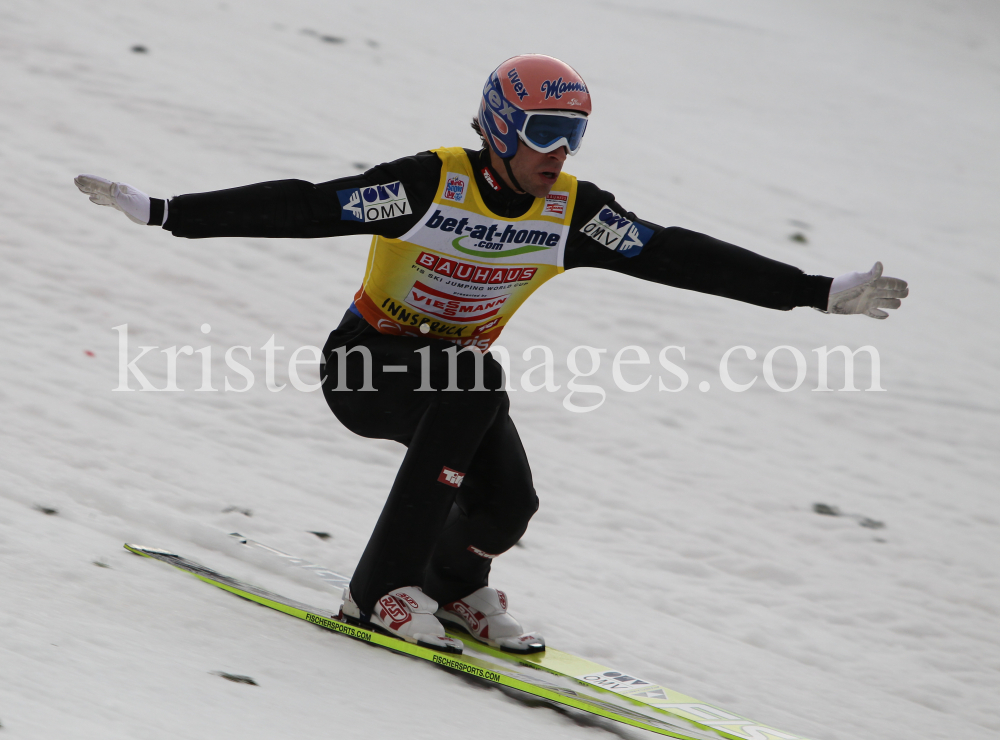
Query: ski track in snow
x=676, y=537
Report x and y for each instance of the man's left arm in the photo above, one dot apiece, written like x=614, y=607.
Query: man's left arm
x=604, y=235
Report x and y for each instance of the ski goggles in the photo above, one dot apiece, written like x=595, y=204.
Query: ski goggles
x=545, y=131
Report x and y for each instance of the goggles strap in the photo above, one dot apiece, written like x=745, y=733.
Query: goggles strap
x=510, y=174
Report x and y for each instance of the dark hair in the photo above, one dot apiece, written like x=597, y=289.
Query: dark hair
x=476, y=127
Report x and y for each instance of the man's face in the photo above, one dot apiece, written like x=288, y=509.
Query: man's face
x=536, y=172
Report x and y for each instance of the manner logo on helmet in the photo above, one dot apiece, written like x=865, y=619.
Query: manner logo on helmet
x=556, y=88
x=454, y=187
x=617, y=233
x=375, y=203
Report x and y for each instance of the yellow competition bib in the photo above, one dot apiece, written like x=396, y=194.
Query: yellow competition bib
x=463, y=270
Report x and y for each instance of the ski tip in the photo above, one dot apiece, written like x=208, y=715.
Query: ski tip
x=142, y=550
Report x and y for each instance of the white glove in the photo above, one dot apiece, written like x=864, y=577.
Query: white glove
x=866, y=292
x=133, y=203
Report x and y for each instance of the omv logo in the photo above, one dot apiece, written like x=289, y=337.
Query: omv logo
x=617, y=233
x=375, y=203
x=612, y=219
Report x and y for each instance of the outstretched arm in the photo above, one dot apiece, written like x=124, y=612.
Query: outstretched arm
x=604, y=235
x=383, y=200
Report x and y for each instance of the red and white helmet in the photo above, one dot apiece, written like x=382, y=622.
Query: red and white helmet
x=538, y=99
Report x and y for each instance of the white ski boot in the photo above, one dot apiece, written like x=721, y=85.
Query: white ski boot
x=406, y=613
x=483, y=614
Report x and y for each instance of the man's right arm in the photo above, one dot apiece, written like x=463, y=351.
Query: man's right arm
x=387, y=200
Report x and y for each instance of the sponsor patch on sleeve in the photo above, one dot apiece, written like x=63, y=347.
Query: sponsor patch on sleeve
x=617, y=233
x=375, y=203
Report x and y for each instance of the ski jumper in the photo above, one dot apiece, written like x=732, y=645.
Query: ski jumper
x=463, y=493
x=456, y=251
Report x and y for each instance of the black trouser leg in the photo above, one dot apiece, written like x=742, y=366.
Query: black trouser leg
x=490, y=515
x=442, y=430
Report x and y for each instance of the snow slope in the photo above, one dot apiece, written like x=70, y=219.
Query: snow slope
x=680, y=525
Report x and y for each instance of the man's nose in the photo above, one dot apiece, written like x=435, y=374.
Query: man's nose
x=559, y=154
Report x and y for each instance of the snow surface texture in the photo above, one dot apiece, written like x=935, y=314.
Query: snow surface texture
x=676, y=537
